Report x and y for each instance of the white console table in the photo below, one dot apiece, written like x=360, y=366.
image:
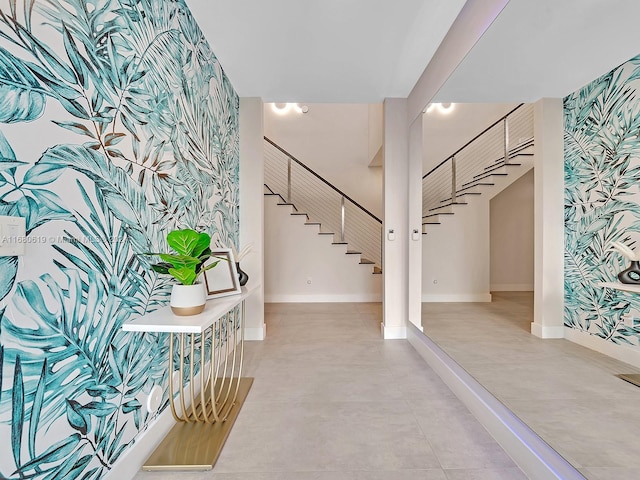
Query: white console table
x=627, y=287
x=211, y=342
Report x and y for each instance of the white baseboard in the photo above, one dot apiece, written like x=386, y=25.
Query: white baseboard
x=393, y=333
x=512, y=287
x=456, y=297
x=532, y=454
x=542, y=331
x=130, y=463
x=350, y=298
x=623, y=353
x=255, y=333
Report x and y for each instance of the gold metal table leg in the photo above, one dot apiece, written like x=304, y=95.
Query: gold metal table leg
x=204, y=423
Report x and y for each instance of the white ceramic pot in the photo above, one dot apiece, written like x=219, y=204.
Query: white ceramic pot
x=188, y=299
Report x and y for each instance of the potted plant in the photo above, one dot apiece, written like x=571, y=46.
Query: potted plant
x=192, y=250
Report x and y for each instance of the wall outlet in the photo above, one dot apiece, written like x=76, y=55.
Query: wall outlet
x=309, y=280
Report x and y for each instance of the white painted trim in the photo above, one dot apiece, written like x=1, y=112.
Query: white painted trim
x=456, y=297
x=512, y=287
x=255, y=333
x=130, y=463
x=547, y=331
x=624, y=353
x=532, y=454
x=355, y=298
x=393, y=333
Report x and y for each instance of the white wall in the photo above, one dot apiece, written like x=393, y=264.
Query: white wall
x=295, y=254
x=395, y=226
x=512, y=236
x=456, y=253
x=455, y=256
x=333, y=140
x=376, y=122
x=548, y=299
x=252, y=212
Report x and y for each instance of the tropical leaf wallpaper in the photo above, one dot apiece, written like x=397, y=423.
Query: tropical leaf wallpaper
x=602, y=202
x=117, y=124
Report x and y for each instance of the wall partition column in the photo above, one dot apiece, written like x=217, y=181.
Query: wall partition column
x=395, y=227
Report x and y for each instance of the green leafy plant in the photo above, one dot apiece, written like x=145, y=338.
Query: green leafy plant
x=192, y=252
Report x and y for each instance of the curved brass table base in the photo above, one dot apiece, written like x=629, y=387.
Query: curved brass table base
x=204, y=418
x=196, y=446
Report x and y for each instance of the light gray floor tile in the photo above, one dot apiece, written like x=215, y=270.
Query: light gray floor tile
x=332, y=401
x=485, y=474
x=610, y=473
x=568, y=394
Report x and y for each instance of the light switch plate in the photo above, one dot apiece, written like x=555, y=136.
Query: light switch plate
x=13, y=236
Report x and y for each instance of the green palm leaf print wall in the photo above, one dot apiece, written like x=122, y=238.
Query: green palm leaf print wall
x=117, y=124
x=602, y=201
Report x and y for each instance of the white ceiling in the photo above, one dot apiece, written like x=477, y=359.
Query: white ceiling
x=349, y=51
x=330, y=51
x=545, y=48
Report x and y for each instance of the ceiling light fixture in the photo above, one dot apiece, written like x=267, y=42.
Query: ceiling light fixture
x=444, y=108
x=282, y=108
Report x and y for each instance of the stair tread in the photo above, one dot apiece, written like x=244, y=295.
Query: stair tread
x=325, y=233
x=353, y=252
x=497, y=167
x=447, y=205
x=479, y=184
x=339, y=243
x=491, y=174
x=436, y=214
x=312, y=223
x=500, y=161
x=366, y=262
x=460, y=195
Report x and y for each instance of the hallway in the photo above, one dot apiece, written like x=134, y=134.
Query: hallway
x=332, y=401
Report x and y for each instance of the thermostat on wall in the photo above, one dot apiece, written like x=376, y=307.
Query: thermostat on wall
x=13, y=236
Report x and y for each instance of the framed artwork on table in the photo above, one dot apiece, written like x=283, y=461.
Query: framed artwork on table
x=221, y=280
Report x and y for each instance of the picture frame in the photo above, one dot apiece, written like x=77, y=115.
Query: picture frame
x=222, y=280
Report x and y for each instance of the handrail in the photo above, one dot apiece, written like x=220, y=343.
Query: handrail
x=470, y=141
x=323, y=180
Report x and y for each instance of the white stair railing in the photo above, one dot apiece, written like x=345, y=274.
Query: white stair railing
x=323, y=203
x=472, y=164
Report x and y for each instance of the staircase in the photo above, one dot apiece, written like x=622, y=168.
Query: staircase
x=488, y=163
x=307, y=195
x=491, y=160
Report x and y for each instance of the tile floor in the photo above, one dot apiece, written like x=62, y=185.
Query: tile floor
x=332, y=401
x=567, y=393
